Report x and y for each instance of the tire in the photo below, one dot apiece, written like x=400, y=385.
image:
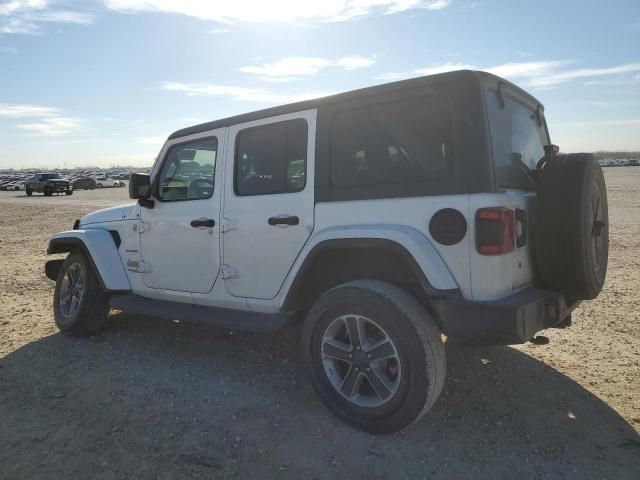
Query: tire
x=572, y=226
x=91, y=313
x=48, y=191
x=68, y=192
x=99, y=185
x=414, y=369
x=29, y=192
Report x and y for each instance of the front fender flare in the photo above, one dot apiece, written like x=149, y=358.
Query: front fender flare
x=102, y=251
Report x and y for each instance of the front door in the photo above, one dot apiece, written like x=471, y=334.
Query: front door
x=179, y=236
x=269, y=201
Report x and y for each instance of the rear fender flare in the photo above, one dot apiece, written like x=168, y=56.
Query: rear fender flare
x=414, y=245
x=101, y=249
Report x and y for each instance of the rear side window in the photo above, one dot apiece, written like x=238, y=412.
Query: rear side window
x=404, y=141
x=271, y=158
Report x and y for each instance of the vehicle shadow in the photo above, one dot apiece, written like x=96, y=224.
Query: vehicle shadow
x=157, y=399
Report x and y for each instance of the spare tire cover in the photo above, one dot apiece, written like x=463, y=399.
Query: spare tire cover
x=572, y=226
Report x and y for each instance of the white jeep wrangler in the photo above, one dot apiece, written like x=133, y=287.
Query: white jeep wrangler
x=387, y=217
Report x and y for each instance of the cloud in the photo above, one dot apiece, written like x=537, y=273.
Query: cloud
x=275, y=10
x=52, y=126
x=292, y=68
x=10, y=50
x=44, y=120
x=26, y=16
x=543, y=74
x=159, y=140
x=246, y=94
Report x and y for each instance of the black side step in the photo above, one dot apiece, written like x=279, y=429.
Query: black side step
x=220, y=317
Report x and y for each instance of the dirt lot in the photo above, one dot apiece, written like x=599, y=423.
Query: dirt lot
x=156, y=399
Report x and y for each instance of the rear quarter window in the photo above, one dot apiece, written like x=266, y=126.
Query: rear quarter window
x=408, y=140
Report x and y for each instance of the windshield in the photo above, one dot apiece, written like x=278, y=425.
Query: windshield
x=51, y=176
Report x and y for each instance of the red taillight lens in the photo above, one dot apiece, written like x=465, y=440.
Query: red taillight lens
x=495, y=230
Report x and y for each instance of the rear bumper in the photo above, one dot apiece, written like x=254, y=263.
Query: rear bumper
x=508, y=321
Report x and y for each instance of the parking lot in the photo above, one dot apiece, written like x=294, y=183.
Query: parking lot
x=157, y=399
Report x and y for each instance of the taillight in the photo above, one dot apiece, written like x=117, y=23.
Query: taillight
x=495, y=230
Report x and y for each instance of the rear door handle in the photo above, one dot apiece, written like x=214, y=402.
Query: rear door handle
x=203, y=223
x=284, y=220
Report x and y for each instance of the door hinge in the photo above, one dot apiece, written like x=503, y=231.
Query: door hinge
x=229, y=272
x=143, y=227
x=229, y=224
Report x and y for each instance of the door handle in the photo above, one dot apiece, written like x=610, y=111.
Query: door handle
x=203, y=223
x=284, y=220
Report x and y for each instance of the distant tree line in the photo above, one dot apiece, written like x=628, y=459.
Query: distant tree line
x=602, y=154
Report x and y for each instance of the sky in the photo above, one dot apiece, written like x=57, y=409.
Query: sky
x=103, y=83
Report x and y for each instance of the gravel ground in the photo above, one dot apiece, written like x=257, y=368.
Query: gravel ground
x=156, y=399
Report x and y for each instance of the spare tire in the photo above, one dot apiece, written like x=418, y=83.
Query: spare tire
x=572, y=226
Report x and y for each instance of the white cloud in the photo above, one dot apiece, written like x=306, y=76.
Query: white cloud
x=52, y=126
x=26, y=16
x=26, y=111
x=562, y=77
x=44, y=120
x=275, y=10
x=246, y=94
x=294, y=67
x=159, y=140
x=531, y=74
x=355, y=62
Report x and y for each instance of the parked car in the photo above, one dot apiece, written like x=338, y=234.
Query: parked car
x=385, y=217
x=83, y=183
x=13, y=186
x=48, y=183
x=102, y=181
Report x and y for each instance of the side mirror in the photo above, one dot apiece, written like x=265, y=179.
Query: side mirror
x=140, y=188
x=139, y=185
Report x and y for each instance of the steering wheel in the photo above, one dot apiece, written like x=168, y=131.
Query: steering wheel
x=200, y=187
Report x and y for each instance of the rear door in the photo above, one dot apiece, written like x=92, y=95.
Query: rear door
x=268, y=201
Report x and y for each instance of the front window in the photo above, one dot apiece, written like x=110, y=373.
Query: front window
x=51, y=176
x=188, y=171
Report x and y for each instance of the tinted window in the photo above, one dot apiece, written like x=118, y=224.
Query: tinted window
x=271, y=158
x=404, y=141
x=188, y=171
x=528, y=139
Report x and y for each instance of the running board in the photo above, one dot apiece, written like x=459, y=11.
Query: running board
x=219, y=317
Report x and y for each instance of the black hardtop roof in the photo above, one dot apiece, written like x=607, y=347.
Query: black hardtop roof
x=462, y=78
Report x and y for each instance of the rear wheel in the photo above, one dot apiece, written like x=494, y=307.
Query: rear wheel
x=29, y=192
x=80, y=306
x=376, y=356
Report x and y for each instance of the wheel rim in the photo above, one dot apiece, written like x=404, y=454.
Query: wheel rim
x=598, y=228
x=71, y=290
x=361, y=361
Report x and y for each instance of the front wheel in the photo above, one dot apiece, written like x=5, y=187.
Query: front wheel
x=68, y=192
x=376, y=356
x=80, y=306
x=48, y=191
